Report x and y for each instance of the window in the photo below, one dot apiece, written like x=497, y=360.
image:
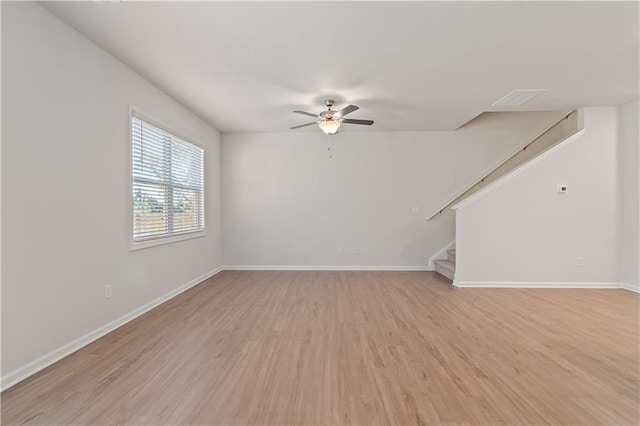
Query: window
x=167, y=183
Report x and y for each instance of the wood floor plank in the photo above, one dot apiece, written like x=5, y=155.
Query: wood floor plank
x=351, y=348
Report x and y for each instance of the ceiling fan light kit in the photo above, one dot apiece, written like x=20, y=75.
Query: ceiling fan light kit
x=330, y=126
x=329, y=121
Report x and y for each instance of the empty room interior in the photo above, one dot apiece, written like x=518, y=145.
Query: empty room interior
x=320, y=213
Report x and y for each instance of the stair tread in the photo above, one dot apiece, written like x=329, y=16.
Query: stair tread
x=447, y=264
x=452, y=251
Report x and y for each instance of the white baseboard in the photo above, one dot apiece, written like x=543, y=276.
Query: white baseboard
x=323, y=268
x=46, y=360
x=635, y=288
x=515, y=284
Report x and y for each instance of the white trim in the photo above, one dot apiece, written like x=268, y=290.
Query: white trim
x=501, y=162
x=441, y=252
x=323, y=268
x=631, y=287
x=46, y=360
x=134, y=111
x=139, y=245
x=18, y=375
x=515, y=172
x=524, y=284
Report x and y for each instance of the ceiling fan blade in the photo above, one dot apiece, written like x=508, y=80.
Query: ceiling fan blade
x=306, y=113
x=303, y=125
x=352, y=121
x=346, y=110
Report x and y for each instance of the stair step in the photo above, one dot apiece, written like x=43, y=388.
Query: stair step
x=446, y=264
x=445, y=267
x=451, y=255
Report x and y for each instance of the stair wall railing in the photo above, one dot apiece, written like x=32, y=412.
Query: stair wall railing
x=559, y=130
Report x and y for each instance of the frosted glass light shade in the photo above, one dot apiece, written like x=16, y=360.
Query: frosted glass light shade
x=330, y=126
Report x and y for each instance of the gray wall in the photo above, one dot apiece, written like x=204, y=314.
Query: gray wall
x=66, y=189
x=287, y=204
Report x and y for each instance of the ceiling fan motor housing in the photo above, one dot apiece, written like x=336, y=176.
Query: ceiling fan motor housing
x=329, y=120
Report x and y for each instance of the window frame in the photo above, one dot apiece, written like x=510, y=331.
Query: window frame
x=135, y=112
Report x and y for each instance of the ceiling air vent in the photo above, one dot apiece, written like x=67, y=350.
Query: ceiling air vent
x=518, y=97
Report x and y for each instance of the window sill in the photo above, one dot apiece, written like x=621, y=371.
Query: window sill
x=166, y=240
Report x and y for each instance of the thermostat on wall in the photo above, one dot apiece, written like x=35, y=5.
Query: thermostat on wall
x=562, y=189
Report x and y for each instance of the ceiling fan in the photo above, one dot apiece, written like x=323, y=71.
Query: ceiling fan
x=329, y=121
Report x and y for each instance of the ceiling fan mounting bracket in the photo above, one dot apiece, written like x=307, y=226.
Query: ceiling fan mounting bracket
x=329, y=103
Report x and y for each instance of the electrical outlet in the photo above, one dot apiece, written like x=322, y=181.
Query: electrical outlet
x=355, y=249
x=580, y=262
x=107, y=291
x=340, y=250
x=562, y=189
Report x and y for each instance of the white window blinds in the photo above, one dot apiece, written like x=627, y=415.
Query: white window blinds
x=167, y=183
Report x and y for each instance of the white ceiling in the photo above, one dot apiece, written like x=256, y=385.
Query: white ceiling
x=409, y=66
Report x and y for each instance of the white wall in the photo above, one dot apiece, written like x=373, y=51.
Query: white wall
x=522, y=232
x=629, y=155
x=65, y=188
x=287, y=204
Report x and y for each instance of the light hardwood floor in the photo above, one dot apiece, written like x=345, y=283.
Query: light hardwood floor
x=365, y=348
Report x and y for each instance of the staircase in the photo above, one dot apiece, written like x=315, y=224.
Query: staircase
x=446, y=267
x=561, y=129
